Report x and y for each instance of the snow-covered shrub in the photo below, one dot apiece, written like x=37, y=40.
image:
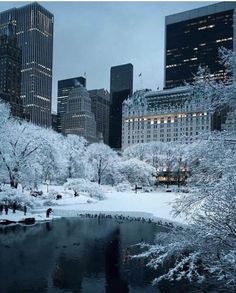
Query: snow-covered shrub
x=9, y=195
x=49, y=199
x=125, y=186
x=51, y=195
x=49, y=202
x=93, y=189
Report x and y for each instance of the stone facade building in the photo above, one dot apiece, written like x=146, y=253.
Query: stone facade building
x=78, y=118
x=165, y=116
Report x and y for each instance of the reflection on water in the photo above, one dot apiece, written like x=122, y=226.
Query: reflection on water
x=74, y=255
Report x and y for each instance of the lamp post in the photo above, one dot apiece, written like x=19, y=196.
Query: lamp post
x=168, y=169
x=179, y=169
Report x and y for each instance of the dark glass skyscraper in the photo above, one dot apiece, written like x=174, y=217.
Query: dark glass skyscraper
x=64, y=88
x=10, y=72
x=33, y=26
x=100, y=105
x=193, y=38
x=121, y=86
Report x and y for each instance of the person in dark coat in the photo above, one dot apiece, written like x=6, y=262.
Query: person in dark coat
x=1, y=208
x=25, y=210
x=76, y=193
x=14, y=207
x=48, y=212
x=6, y=209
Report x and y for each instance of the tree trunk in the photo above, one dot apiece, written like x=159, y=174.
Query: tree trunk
x=69, y=172
x=13, y=183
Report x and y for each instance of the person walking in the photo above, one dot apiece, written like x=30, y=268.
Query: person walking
x=25, y=210
x=14, y=207
x=1, y=208
x=6, y=209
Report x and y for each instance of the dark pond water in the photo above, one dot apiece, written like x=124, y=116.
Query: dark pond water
x=74, y=255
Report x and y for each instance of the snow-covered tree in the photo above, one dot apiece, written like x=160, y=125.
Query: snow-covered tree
x=216, y=94
x=135, y=171
x=28, y=153
x=75, y=156
x=138, y=151
x=100, y=157
x=205, y=250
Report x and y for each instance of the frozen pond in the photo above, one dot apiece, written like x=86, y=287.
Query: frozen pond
x=74, y=255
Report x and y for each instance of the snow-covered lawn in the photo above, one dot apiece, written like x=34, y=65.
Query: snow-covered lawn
x=155, y=204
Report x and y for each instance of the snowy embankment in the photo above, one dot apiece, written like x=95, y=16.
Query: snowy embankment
x=155, y=205
x=19, y=216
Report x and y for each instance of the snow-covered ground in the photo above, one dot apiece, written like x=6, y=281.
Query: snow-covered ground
x=19, y=216
x=155, y=204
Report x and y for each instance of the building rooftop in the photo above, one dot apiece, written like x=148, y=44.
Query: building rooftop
x=177, y=90
x=199, y=12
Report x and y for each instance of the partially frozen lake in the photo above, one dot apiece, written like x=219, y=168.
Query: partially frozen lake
x=74, y=255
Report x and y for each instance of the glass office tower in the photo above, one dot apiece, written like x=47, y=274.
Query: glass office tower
x=121, y=86
x=193, y=38
x=33, y=25
x=100, y=105
x=10, y=72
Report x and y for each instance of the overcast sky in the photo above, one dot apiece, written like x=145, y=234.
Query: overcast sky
x=93, y=36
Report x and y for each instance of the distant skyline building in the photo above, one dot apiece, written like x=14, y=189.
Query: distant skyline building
x=100, y=101
x=55, y=122
x=193, y=38
x=10, y=72
x=64, y=88
x=78, y=118
x=121, y=87
x=33, y=25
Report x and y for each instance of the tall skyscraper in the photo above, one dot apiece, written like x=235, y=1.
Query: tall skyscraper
x=64, y=88
x=193, y=38
x=33, y=25
x=54, y=121
x=78, y=118
x=121, y=86
x=100, y=99
x=10, y=72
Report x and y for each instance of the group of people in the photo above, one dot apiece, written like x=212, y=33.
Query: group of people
x=5, y=207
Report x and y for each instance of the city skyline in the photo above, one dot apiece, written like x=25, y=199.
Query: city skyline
x=91, y=37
